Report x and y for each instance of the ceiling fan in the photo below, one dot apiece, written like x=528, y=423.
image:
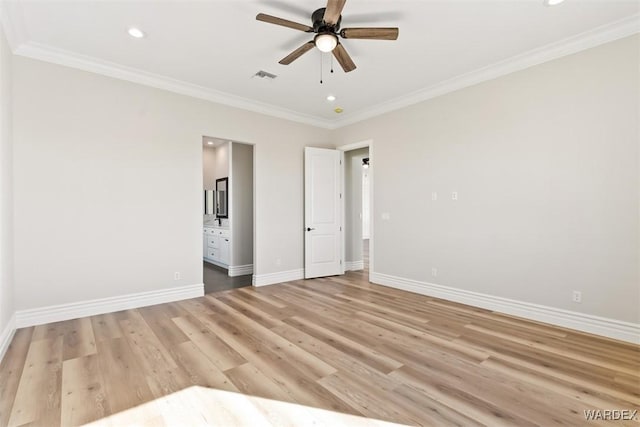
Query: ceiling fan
x=326, y=25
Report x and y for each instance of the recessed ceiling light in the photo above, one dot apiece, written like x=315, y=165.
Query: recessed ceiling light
x=331, y=98
x=210, y=142
x=136, y=32
x=552, y=2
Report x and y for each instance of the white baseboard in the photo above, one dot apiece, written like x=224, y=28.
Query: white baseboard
x=74, y=310
x=279, y=277
x=354, y=265
x=240, y=270
x=7, y=335
x=611, y=328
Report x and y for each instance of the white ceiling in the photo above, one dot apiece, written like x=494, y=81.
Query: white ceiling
x=216, y=46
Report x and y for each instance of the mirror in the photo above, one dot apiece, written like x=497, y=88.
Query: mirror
x=222, y=197
x=208, y=202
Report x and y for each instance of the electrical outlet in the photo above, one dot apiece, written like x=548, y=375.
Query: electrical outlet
x=577, y=296
x=434, y=272
x=176, y=275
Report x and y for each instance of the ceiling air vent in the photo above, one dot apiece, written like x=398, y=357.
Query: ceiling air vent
x=265, y=75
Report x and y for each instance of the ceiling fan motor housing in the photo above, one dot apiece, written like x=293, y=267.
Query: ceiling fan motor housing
x=319, y=26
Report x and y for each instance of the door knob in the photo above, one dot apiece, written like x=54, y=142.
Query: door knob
x=309, y=228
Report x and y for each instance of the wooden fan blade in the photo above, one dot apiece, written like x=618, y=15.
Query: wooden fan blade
x=297, y=53
x=343, y=58
x=333, y=11
x=283, y=22
x=370, y=33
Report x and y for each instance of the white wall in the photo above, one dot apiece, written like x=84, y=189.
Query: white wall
x=215, y=164
x=545, y=162
x=108, y=184
x=208, y=168
x=221, y=169
x=241, y=197
x=6, y=190
x=222, y=160
x=366, y=204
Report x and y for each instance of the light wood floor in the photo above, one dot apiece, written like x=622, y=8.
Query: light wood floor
x=270, y=355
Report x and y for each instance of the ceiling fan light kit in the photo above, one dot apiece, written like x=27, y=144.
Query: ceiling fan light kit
x=326, y=24
x=325, y=42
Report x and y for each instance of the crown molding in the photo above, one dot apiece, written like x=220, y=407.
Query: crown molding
x=11, y=19
x=87, y=63
x=592, y=38
x=12, y=22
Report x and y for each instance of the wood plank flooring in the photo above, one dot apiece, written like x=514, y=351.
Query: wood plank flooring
x=332, y=351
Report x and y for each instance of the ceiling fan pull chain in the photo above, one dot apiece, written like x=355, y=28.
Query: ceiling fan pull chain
x=320, y=67
x=331, y=63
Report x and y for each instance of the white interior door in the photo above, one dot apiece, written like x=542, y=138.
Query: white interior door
x=322, y=212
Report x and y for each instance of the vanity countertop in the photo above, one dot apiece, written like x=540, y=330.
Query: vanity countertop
x=216, y=226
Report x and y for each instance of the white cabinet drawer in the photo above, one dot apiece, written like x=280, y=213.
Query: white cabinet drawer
x=212, y=253
x=213, y=241
x=216, y=231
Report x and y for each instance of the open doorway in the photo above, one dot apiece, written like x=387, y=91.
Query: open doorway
x=228, y=210
x=366, y=212
x=357, y=189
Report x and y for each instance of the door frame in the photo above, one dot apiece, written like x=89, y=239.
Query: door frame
x=253, y=201
x=354, y=146
x=230, y=201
